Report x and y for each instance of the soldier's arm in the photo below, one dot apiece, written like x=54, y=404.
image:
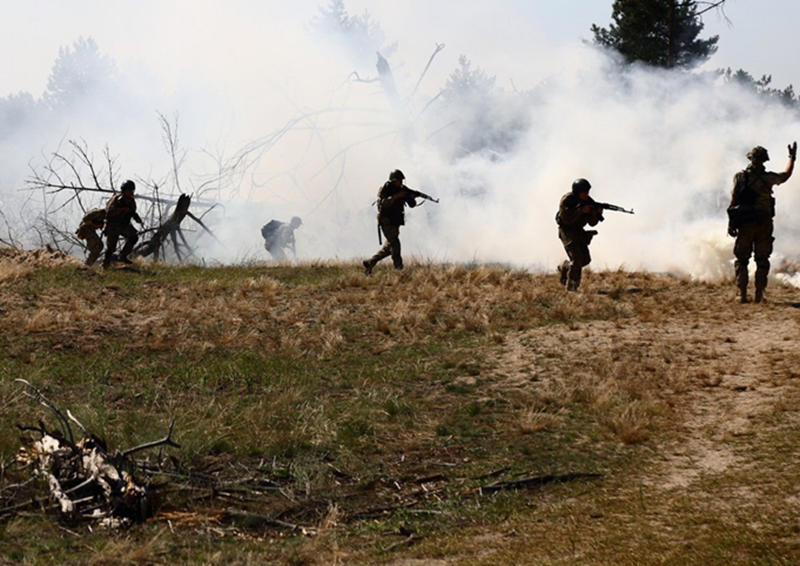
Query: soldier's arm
x=787, y=173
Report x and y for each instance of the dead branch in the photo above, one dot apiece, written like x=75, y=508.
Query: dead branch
x=166, y=440
x=82, y=479
x=439, y=47
x=537, y=481
x=39, y=396
x=257, y=517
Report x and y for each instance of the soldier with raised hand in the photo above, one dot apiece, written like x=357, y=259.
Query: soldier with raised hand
x=750, y=213
x=575, y=211
x=120, y=210
x=393, y=197
x=91, y=222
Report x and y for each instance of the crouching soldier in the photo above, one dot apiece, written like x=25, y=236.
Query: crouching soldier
x=279, y=236
x=92, y=222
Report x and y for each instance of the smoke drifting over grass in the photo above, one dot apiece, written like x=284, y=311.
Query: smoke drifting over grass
x=263, y=89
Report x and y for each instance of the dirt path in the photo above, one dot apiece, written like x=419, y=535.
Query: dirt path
x=712, y=375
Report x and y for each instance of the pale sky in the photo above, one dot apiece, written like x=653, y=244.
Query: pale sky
x=166, y=35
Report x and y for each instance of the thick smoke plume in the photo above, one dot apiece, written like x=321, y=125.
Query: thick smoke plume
x=289, y=116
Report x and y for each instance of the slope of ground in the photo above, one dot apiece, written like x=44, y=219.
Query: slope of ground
x=444, y=415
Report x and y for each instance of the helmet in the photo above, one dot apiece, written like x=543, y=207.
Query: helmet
x=295, y=221
x=758, y=153
x=396, y=174
x=580, y=186
x=128, y=185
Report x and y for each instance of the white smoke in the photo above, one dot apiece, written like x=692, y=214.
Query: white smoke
x=244, y=75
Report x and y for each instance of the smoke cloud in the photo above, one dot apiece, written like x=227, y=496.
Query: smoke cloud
x=296, y=118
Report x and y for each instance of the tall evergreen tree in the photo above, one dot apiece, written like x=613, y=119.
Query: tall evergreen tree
x=661, y=33
x=78, y=72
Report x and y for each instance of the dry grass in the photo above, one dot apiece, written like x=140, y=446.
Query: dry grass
x=423, y=385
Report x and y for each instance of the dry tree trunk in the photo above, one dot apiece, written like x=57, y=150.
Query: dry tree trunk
x=171, y=228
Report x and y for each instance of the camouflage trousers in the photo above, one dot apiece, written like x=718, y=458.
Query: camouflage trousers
x=755, y=240
x=113, y=234
x=577, y=247
x=391, y=232
x=94, y=244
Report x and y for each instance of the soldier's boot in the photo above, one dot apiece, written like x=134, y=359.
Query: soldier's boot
x=367, y=267
x=572, y=285
x=761, y=284
x=742, y=296
x=562, y=271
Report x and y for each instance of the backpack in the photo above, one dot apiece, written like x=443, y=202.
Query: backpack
x=269, y=229
x=95, y=216
x=743, y=212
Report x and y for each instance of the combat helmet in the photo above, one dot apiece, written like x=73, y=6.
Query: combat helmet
x=759, y=154
x=396, y=174
x=580, y=186
x=128, y=185
x=296, y=221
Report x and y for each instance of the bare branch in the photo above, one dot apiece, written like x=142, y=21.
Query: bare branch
x=166, y=440
x=439, y=47
x=39, y=396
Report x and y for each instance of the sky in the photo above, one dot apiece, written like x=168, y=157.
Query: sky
x=168, y=35
x=238, y=71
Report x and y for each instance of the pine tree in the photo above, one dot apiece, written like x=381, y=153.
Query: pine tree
x=661, y=33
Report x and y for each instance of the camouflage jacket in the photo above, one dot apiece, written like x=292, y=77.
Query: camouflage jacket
x=753, y=186
x=120, y=210
x=394, y=212
x=570, y=217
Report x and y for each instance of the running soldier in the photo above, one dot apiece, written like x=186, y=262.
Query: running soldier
x=575, y=211
x=393, y=197
x=120, y=210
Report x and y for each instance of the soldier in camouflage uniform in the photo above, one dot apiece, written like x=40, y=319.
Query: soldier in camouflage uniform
x=575, y=211
x=92, y=222
x=279, y=235
x=120, y=210
x=752, y=190
x=393, y=197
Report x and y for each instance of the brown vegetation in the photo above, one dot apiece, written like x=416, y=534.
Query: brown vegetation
x=469, y=415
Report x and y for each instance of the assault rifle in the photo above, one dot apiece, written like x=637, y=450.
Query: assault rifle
x=418, y=194
x=607, y=206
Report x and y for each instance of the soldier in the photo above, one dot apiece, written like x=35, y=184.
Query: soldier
x=120, y=210
x=393, y=197
x=279, y=235
x=751, y=198
x=92, y=222
x=575, y=211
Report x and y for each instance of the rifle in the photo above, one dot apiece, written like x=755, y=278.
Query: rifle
x=418, y=194
x=607, y=206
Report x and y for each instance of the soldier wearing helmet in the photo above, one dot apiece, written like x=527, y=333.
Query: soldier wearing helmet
x=279, y=236
x=750, y=213
x=120, y=210
x=575, y=211
x=393, y=197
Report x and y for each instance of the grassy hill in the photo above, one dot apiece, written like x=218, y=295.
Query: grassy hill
x=445, y=414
